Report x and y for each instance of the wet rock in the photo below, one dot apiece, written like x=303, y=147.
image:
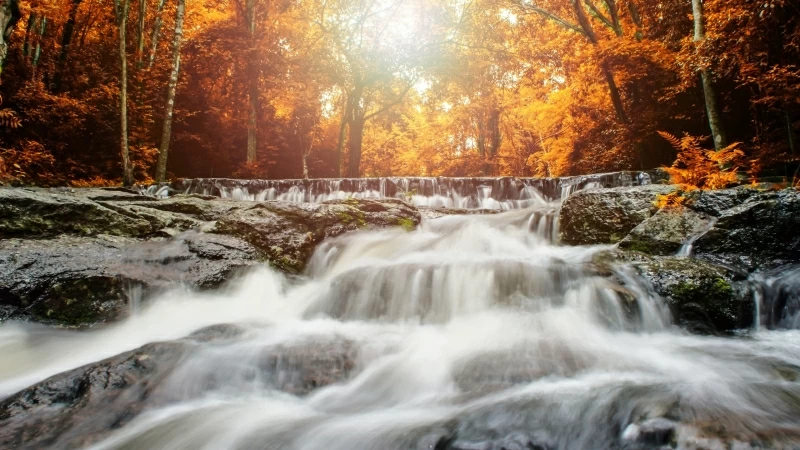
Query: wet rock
x=76, y=408
x=80, y=407
x=757, y=229
x=651, y=432
x=78, y=281
x=703, y=297
x=606, y=216
x=667, y=231
x=434, y=213
x=288, y=233
x=49, y=212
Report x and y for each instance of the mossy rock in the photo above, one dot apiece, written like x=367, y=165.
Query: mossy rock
x=703, y=297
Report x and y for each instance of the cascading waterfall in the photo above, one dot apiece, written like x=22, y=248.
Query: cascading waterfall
x=472, y=332
x=464, y=193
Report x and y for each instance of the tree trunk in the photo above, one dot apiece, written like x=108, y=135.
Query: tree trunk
x=9, y=15
x=66, y=40
x=26, y=46
x=156, y=34
x=161, y=168
x=122, y=21
x=354, y=147
x=346, y=115
x=616, y=98
x=140, y=36
x=709, y=93
x=791, y=136
x=252, y=62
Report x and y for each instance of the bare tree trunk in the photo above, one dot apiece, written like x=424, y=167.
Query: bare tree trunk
x=156, y=34
x=140, y=47
x=792, y=137
x=66, y=40
x=252, y=122
x=26, y=46
x=305, y=158
x=166, y=134
x=9, y=15
x=710, y=94
x=354, y=147
x=346, y=114
x=121, y=9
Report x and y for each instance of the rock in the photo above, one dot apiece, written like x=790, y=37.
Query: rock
x=762, y=230
x=428, y=212
x=651, y=432
x=77, y=281
x=667, y=231
x=606, y=216
x=80, y=407
x=289, y=232
x=46, y=212
x=703, y=297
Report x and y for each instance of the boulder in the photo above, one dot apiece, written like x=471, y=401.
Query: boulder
x=702, y=297
x=667, y=231
x=49, y=212
x=606, y=216
x=754, y=228
x=288, y=233
x=428, y=212
x=80, y=407
x=78, y=280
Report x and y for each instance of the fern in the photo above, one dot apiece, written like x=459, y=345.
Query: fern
x=698, y=167
x=9, y=118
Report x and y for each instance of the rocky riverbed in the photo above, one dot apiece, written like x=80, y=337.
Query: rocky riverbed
x=117, y=308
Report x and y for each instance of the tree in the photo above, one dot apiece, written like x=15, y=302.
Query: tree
x=583, y=25
x=166, y=134
x=121, y=13
x=9, y=16
x=709, y=93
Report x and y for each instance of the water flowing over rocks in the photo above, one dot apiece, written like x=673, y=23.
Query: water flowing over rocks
x=82, y=256
x=288, y=233
x=371, y=323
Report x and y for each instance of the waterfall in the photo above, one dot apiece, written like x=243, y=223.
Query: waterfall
x=465, y=193
x=471, y=332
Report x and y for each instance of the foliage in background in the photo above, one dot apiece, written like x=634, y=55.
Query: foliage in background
x=489, y=87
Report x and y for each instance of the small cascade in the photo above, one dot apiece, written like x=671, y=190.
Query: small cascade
x=687, y=247
x=777, y=298
x=504, y=193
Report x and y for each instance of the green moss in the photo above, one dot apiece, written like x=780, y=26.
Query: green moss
x=406, y=223
x=353, y=216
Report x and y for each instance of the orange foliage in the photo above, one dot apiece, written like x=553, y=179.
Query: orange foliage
x=431, y=88
x=697, y=167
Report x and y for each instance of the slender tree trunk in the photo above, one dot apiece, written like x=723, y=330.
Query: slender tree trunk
x=140, y=35
x=166, y=134
x=709, y=93
x=9, y=15
x=346, y=115
x=26, y=46
x=616, y=97
x=121, y=8
x=354, y=147
x=156, y=34
x=791, y=136
x=66, y=40
x=252, y=122
x=38, y=52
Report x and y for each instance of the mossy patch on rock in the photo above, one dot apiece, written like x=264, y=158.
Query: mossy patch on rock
x=702, y=297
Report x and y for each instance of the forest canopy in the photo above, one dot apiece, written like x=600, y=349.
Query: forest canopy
x=108, y=91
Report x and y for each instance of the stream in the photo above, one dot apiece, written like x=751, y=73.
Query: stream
x=471, y=333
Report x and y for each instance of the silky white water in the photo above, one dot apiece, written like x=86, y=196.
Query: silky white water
x=473, y=332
